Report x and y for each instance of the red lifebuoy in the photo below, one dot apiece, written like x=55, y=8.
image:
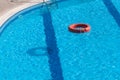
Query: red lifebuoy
x=79, y=28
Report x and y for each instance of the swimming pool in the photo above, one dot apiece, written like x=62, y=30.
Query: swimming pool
x=37, y=45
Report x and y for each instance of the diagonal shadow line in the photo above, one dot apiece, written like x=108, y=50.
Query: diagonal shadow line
x=113, y=11
x=53, y=51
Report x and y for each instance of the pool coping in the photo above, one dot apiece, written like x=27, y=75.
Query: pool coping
x=6, y=15
x=15, y=15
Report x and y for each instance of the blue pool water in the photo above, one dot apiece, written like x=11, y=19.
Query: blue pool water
x=37, y=45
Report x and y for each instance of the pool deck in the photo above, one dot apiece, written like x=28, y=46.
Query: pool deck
x=8, y=8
